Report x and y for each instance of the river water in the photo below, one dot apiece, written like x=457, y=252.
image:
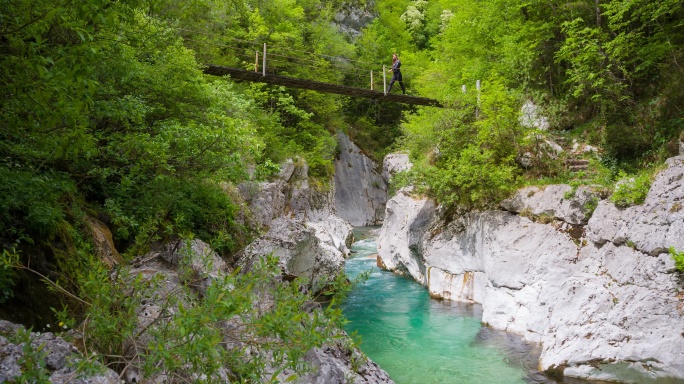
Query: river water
x=420, y=340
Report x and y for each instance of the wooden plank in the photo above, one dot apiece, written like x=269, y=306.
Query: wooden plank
x=293, y=82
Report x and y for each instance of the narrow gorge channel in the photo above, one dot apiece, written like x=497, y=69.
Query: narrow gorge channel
x=420, y=340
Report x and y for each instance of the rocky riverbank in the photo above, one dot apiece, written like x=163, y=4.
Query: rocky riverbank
x=299, y=226
x=597, y=290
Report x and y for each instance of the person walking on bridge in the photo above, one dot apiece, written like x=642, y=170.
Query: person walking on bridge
x=396, y=74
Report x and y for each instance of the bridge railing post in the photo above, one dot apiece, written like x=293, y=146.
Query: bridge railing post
x=263, y=66
x=384, y=80
x=371, y=80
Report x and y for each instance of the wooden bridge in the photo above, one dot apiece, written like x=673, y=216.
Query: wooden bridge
x=293, y=82
x=282, y=57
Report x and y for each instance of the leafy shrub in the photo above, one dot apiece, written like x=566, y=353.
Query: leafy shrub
x=197, y=335
x=473, y=179
x=590, y=206
x=463, y=160
x=678, y=258
x=631, y=190
x=32, y=201
x=8, y=260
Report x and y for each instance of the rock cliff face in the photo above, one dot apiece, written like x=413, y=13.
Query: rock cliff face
x=301, y=226
x=354, y=16
x=360, y=191
x=599, y=294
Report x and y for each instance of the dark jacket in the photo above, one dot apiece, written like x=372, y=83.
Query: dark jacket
x=396, y=66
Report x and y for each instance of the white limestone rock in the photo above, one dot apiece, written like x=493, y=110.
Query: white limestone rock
x=266, y=200
x=400, y=238
x=299, y=250
x=332, y=364
x=504, y=261
x=652, y=227
x=530, y=117
x=58, y=358
x=619, y=317
x=394, y=163
x=287, y=168
x=354, y=16
x=203, y=264
x=605, y=307
x=302, y=227
x=360, y=191
x=552, y=149
x=551, y=200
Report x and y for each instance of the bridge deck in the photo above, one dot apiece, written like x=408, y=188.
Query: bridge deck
x=293, y=82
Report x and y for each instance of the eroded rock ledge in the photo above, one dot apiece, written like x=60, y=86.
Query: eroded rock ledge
x=301, y=226
x=601, y=294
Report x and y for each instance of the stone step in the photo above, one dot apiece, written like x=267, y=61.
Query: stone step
x=575, y=168
x=577, y=162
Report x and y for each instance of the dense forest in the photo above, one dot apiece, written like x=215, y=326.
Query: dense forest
x=106, y=114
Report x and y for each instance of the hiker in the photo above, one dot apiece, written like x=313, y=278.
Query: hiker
x=396, y=74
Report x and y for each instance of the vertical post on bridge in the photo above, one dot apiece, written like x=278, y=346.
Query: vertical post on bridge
x=384, y=80
x=263, y=66
x=256, y=61
x=371, y=80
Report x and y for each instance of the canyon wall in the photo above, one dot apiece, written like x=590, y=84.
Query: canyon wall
x=597, y=290
x=360, y=190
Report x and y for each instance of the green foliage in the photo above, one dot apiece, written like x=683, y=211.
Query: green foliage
x=31, y=202
x=474, y=178
x=631, y=190
x=32, y=362
x=8, y=260
x=678, y=257
x=463, y=160
x=590, y=206
x=199, y=334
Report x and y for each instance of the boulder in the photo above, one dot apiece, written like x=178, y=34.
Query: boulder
x=301, y=225
x=300, y=250
x=360, y=191
x=266, y=200
x=557, y=201
x=530, y=117
x=394, y=163
x=336, y=363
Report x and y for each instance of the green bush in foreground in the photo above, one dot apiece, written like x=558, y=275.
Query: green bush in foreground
x=248, y=326
x=631, y=190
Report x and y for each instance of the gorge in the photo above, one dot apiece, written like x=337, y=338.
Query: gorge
x=599, y=293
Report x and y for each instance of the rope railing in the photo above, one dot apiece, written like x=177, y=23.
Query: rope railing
x=275, y=64
x=279, y=59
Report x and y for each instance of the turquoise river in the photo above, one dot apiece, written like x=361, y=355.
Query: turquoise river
x=420, y=340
